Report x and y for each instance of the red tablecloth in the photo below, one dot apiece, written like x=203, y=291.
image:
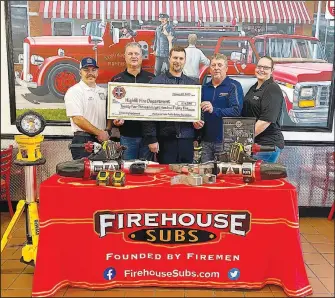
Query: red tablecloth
x=149, y=233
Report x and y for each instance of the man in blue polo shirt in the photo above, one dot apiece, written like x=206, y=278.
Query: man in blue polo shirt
x=221, y=97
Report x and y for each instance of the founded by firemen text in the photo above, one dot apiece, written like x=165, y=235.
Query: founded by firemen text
x=172, y=257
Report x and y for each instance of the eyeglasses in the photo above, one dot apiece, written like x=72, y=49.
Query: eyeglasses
x=263, y=67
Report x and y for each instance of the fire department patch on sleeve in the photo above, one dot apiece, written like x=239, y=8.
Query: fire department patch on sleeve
x=119, y=92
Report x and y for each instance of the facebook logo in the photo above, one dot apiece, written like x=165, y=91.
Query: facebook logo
x=109, y=273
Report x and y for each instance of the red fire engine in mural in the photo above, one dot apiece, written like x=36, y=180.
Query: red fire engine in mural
x=51, y=63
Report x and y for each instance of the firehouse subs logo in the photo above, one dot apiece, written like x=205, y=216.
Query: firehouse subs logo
x=119, y=92
x=173, y=227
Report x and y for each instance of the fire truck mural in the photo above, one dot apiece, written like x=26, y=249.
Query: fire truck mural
x=61, y=33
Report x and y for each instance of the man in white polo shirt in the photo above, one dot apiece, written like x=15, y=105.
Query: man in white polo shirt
x=194, y=57
x=85, y=104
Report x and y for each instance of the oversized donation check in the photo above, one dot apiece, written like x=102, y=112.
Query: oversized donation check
x=154, y=102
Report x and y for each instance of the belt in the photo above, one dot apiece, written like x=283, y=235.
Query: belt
x=84, y=134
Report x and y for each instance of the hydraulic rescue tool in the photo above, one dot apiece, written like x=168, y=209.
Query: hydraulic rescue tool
x=106, y=156
x=237, y=162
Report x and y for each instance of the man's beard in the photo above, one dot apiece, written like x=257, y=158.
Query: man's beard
x=177, y=68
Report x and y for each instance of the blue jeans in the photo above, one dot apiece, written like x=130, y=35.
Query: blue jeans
x=135, y=148
x=209, y=149
x=175, y=150
x=268, y=156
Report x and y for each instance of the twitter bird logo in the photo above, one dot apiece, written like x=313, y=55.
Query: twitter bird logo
x=234, y=274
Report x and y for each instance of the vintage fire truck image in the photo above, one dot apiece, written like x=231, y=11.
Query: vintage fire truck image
x=51, y=63
x=207, y=36
x=301, y=70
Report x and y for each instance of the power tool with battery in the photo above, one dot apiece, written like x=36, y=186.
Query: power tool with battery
x=249, y=171
x=106, y=156
x=237, y=162
x=240, y=153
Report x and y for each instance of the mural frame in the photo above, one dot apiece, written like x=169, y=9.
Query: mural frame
x=11, y=73
x=10, y=64
x=12, y=91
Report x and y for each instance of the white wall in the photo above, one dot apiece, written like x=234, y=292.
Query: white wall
x=7, y=128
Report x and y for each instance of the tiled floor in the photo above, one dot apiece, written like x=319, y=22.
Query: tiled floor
x=317, y=237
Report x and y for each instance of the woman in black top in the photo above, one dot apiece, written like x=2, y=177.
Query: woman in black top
x=264, y=102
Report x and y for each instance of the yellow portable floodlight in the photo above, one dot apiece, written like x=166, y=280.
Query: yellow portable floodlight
x=30, y=124
x=29, y=149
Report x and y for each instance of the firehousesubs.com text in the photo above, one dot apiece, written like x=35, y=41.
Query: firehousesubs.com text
x=174, y=273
